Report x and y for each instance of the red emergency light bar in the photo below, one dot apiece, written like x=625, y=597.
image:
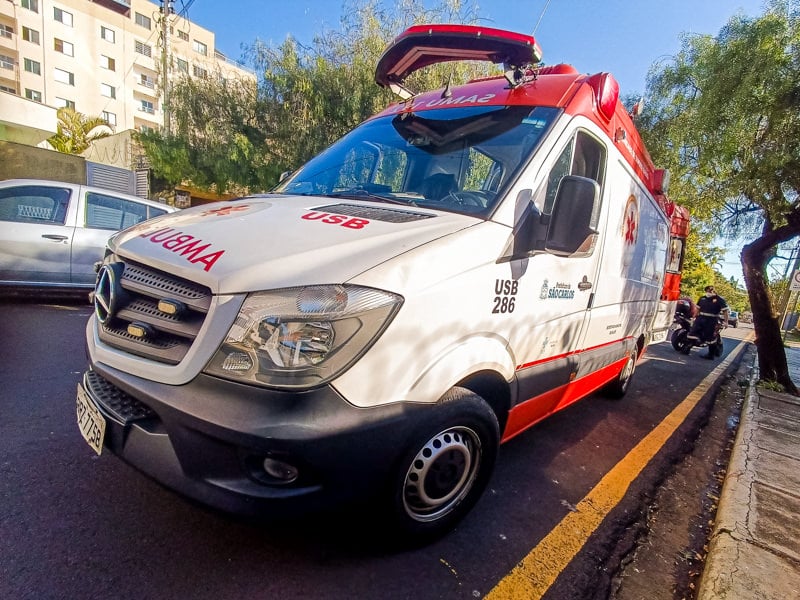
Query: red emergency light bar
x=424, y=45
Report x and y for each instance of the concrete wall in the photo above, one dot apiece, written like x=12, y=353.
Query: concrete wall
x=18, y=161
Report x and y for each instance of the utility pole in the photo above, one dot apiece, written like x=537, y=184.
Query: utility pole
x=166, y=11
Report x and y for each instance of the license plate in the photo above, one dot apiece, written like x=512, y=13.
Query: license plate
x=91, y=423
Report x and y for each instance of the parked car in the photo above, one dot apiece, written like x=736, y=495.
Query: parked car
x=53, y=233
x=733, y=318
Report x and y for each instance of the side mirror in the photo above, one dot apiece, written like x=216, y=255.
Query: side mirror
x=570, y=228
x=284, y=175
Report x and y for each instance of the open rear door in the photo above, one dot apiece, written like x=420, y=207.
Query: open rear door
x=423, y=45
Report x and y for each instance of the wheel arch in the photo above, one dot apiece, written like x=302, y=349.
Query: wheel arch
x=494, y=389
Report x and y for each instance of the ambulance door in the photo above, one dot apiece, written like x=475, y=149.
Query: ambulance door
x=587, y=156
x=556, y=288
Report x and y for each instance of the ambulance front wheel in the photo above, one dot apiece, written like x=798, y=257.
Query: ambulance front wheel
x=446, y=467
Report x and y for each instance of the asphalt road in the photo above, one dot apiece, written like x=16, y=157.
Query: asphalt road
x=75, y=525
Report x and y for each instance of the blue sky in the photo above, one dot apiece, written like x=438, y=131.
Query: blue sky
x=624, y=37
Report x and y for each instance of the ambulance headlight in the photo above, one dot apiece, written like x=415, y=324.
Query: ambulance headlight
x=302, y=337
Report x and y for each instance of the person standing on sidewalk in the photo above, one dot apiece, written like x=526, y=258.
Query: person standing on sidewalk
x=710, y=306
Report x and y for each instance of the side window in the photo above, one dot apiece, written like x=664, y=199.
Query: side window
x=372, y=167
x=356, y=169
x=482, y=171
x=155, y=212
x=391, y=168
x=585, y=156
x=110, y=212
x=133, y=213
x=34, y=204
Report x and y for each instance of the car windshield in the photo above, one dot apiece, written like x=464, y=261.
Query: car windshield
x=453, y=159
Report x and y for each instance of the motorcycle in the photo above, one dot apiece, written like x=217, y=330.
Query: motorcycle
x=680, y=340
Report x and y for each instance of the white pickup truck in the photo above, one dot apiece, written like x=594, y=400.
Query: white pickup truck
x=455, y=269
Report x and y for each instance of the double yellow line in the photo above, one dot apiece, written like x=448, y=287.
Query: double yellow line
x=535, y=573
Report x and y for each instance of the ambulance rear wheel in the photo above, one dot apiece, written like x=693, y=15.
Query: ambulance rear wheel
x=618, y=387
x=445, y=469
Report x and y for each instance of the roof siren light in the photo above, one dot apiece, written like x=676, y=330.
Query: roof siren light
x=606, y=93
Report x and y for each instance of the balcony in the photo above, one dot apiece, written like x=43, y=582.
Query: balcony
x=8, y=35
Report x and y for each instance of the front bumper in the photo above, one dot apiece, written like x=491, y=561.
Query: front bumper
x=208, y=439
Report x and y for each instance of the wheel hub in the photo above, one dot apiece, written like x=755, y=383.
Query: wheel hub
x=441, y=473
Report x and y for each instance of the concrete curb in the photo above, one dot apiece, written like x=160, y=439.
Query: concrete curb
x=754, y=550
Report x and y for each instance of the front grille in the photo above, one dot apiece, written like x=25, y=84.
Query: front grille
x=120, y=405
x=167, y=337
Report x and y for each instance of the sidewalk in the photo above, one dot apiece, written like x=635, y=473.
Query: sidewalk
x=754, y=551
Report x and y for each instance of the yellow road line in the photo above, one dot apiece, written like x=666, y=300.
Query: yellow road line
x=535, y=573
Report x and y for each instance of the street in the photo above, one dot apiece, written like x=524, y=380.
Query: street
x=74, y=524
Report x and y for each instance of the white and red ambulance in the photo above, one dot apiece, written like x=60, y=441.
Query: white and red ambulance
x=455, y=269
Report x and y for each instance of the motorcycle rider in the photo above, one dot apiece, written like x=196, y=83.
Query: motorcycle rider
x=709, y=306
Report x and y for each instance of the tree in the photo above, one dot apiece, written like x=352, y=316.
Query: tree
x=232, y=135
x=75, y=132
x=724, y=115
x=217, y=137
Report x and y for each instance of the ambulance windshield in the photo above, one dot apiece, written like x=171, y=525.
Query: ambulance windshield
x=453, y=159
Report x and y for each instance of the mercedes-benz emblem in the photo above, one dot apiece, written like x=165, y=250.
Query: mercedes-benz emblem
x=107, y=291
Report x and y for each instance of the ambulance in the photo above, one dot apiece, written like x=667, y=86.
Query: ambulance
x=451, y=272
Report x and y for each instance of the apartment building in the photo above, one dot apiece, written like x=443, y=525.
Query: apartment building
x=100, y=57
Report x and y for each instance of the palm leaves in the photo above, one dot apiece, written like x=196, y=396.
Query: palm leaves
x=76, y=132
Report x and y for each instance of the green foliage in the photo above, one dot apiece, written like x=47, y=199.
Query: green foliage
x=217, y=138
x=75, y=132
x=724, y=116
x=228, y=135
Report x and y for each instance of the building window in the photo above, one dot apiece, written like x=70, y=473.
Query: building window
x=107, y=34
x=183, y=66
x=6, y=31
x=30, y=35
x=199, y=71
x=200, y=48
x=34, y=95
x=109, y=117
x=62, y=16
x=64, y=103
x=146, y=129
x=147, y=81
x=182, y=35
x=6, y=62
x=8, y=90
x=108, y=63
x=142, y=21
x=32, y=5
x=64, y=76
x=32, y=66
x=64, y=47
x=109, y=91
x=147, y=107
x=143, y=48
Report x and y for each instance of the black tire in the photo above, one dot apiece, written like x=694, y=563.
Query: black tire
x=675, y=337
x=618, y=387
x=681, y=342
x=445, y=468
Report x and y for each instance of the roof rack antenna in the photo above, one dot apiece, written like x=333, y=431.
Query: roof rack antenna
x=541, y=16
